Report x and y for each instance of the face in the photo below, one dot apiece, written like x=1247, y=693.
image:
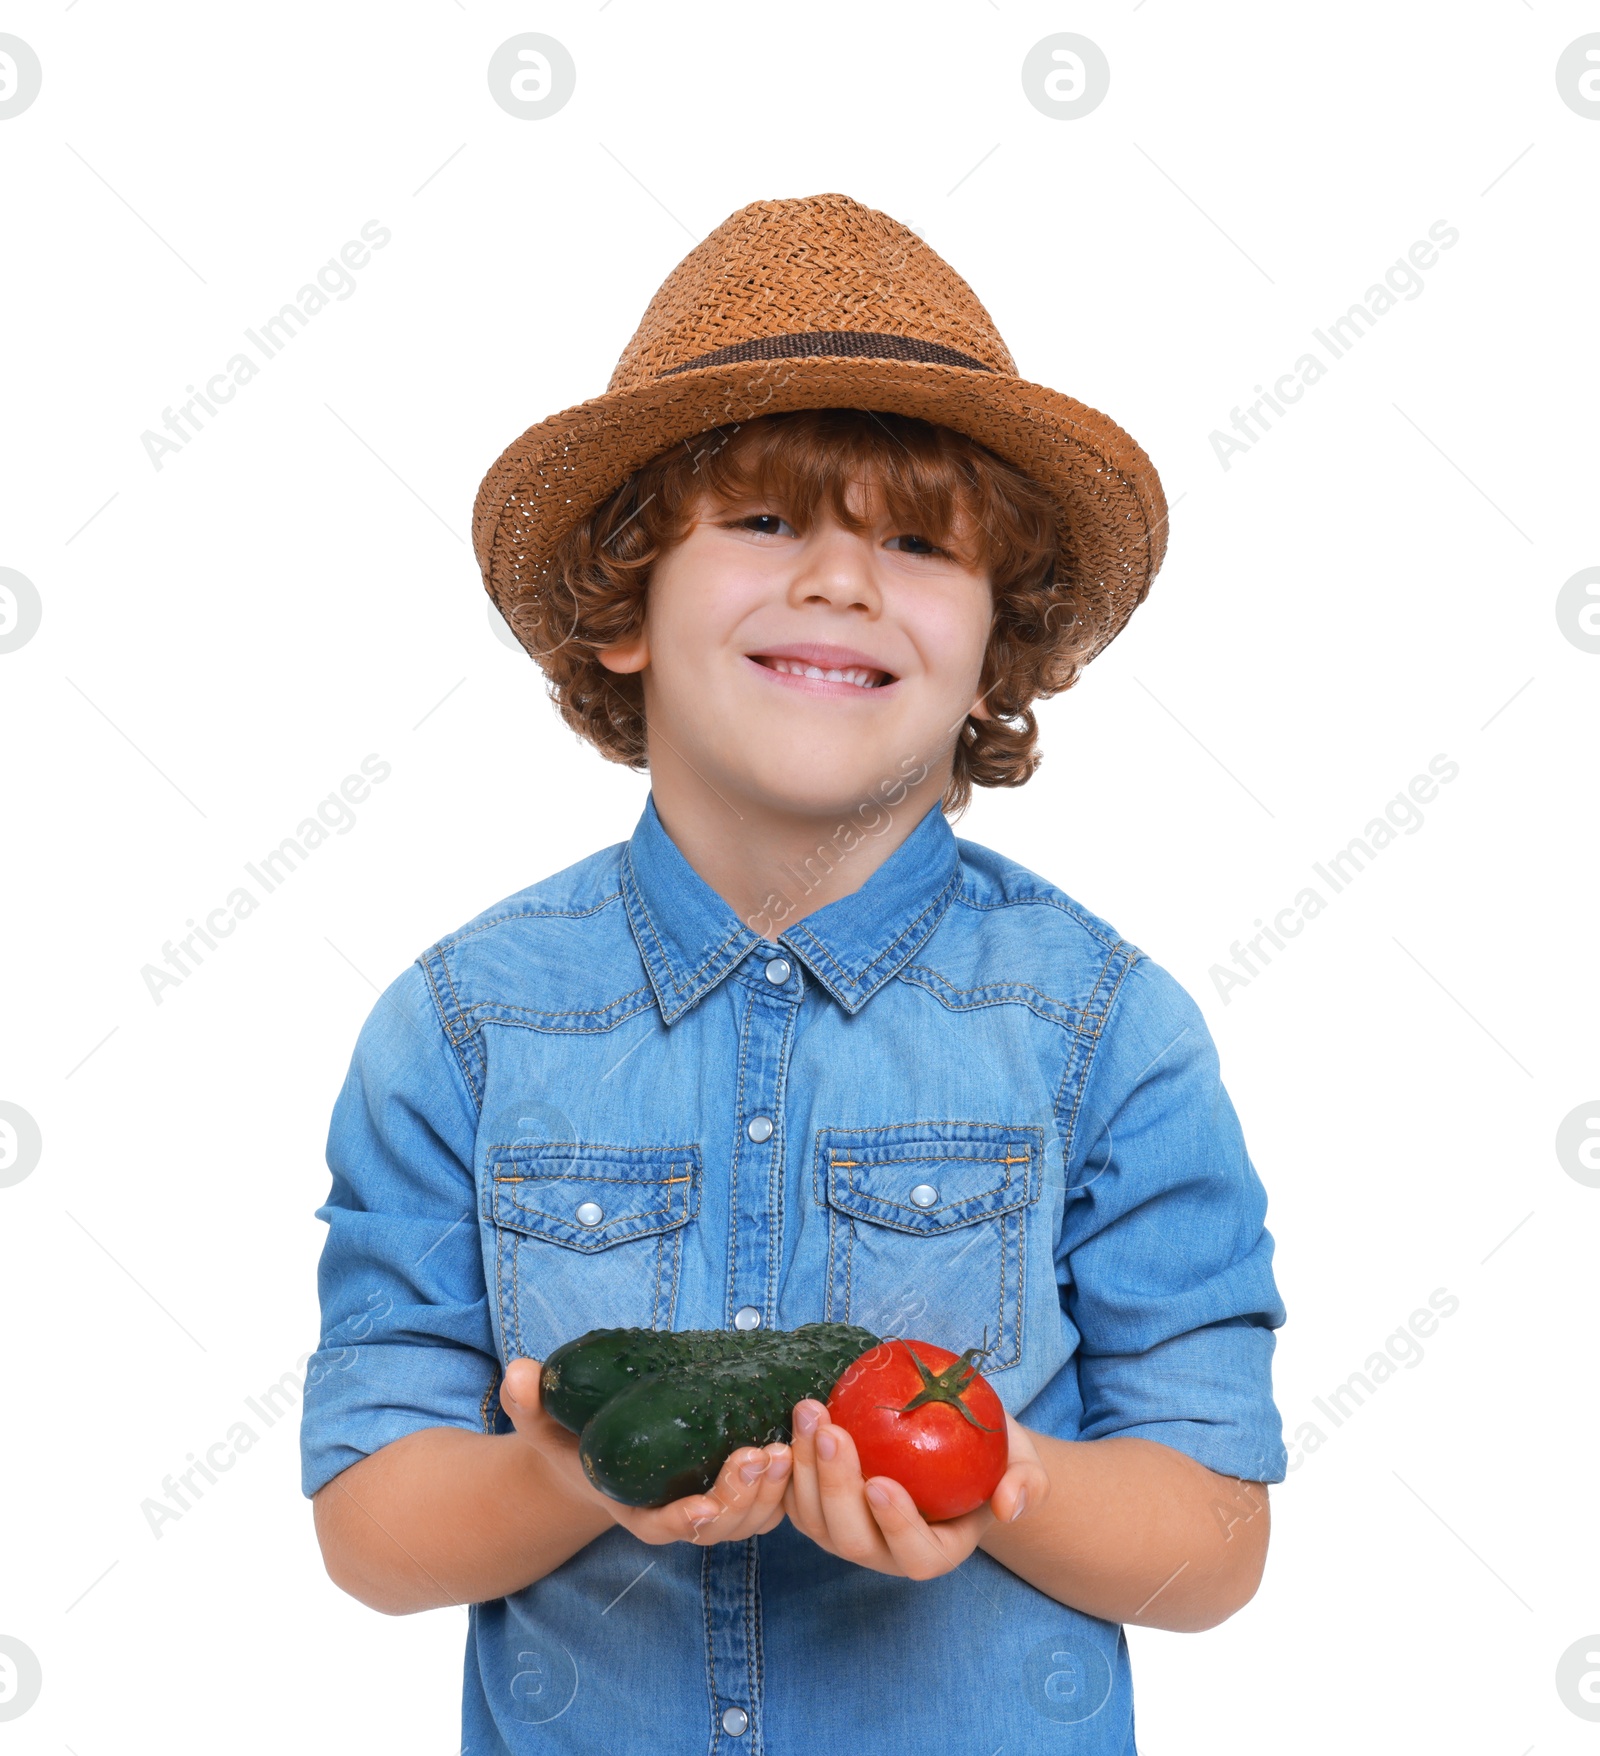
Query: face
x=808, y=671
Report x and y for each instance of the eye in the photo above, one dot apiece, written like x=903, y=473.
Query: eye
x=926, y=548
x=765, y=524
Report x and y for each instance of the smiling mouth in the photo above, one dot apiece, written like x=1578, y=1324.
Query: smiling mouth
x=857, y=676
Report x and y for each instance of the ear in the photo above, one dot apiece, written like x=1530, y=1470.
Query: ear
x=980, y=708
x=628, y=655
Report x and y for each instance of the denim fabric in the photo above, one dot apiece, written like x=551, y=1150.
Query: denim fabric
x=606, y=1037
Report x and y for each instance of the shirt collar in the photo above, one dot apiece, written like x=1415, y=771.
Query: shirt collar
x=689, y=938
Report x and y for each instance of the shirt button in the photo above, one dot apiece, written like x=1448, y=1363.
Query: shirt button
x=590, y=1213
x=777, y=971
x=760, y=1129
x=734, y=1720
x=925, y=1195
x=746, y=1317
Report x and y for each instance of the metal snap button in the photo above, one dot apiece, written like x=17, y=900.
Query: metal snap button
x=589, y=1213
x=760, y=1129
x=747, y=1317
x=925, y=1195
x=734, y=1721
x=778, y=970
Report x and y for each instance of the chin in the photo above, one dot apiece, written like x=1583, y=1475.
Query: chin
x=847, y=791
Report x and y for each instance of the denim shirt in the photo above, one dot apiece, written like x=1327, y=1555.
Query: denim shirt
x=608, y=1101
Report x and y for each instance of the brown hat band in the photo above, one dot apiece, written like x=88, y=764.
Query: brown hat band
x=833, y=343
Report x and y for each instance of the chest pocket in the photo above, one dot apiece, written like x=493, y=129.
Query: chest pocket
x=926, y=1230
x=587, y=1237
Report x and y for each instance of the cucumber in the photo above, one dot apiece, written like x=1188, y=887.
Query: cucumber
x=659, y=1412
x=582, y=1374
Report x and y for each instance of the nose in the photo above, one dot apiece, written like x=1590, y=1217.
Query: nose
x=836, y=570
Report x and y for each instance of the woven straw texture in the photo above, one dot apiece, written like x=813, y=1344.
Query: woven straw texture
x=820, y=302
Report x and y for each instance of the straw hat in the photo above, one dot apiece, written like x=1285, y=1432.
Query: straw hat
x=820, y=302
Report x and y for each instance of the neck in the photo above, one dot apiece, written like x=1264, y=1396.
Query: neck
x=772, y=865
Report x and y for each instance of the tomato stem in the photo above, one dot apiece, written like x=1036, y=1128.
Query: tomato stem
x=947, y=1385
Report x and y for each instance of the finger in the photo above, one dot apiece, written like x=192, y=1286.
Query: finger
x=763, y=1482
x=520, y=1397
x=852, y=1530
x=804, y=1497
x=1022, y=1488
x=766, y=1509
x=918, y=1549
x=676, y=1522
x=735, y=1492
x=519, y=1391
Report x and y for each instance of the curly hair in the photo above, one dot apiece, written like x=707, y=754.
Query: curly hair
x=931, y=480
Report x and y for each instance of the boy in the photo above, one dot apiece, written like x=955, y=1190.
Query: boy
x=795, y=1053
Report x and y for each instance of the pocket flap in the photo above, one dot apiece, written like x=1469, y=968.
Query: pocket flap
x=929, y=1176
x=591, y=1197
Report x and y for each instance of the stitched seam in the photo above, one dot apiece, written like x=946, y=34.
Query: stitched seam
x=497, y=1006
x=633, y=901
x=711, y=1650
x=1069, y=1133
x=1098, y=1019
x=821, y=952
x=655, y=1291
x=938, y=1158
x=525, y=914
x=940, y=900
x=949, y=1158
x=455, y=998
x=846, y=980
x=900, y=1225
x=460, y=1059
x=833, y=1226
x=970, y=901
x=516, y=1291
x=484, y=1419
x=758, y=1694
x=697, y=985
x=655, y=935
x=576, y=1029
x=632, y=1182
x=690, y=989
x=780, y=1159
x=1022, y=1282
x=1012, y=1128
x=909, y=1207
x=739, y=1138
x=589, y=1231
x=955, y=999
x=676, y=1239
x=688, y=1149
x=512, y=1343
x=1004, y=988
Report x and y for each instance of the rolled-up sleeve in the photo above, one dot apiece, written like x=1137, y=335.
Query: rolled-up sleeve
x=1165, y=1262
x=406, y=1340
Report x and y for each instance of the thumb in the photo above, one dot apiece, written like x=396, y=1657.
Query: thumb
x=1023, y=1488
x=519, y=1397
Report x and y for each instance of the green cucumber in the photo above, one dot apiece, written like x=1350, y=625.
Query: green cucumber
x=659, y=1412
x=582, y=1374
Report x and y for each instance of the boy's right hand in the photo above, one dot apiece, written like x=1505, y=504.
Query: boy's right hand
x=737, y=1505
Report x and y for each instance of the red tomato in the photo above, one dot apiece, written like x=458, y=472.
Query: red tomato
x=925, y=1417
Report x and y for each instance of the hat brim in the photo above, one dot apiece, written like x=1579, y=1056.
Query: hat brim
x=1113, y=513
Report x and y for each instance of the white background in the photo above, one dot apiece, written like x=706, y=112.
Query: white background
x=224, y=639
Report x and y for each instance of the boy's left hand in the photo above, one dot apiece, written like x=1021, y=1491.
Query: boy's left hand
x=874, y=1522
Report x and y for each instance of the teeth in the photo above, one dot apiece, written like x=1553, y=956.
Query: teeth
x=859, y=676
